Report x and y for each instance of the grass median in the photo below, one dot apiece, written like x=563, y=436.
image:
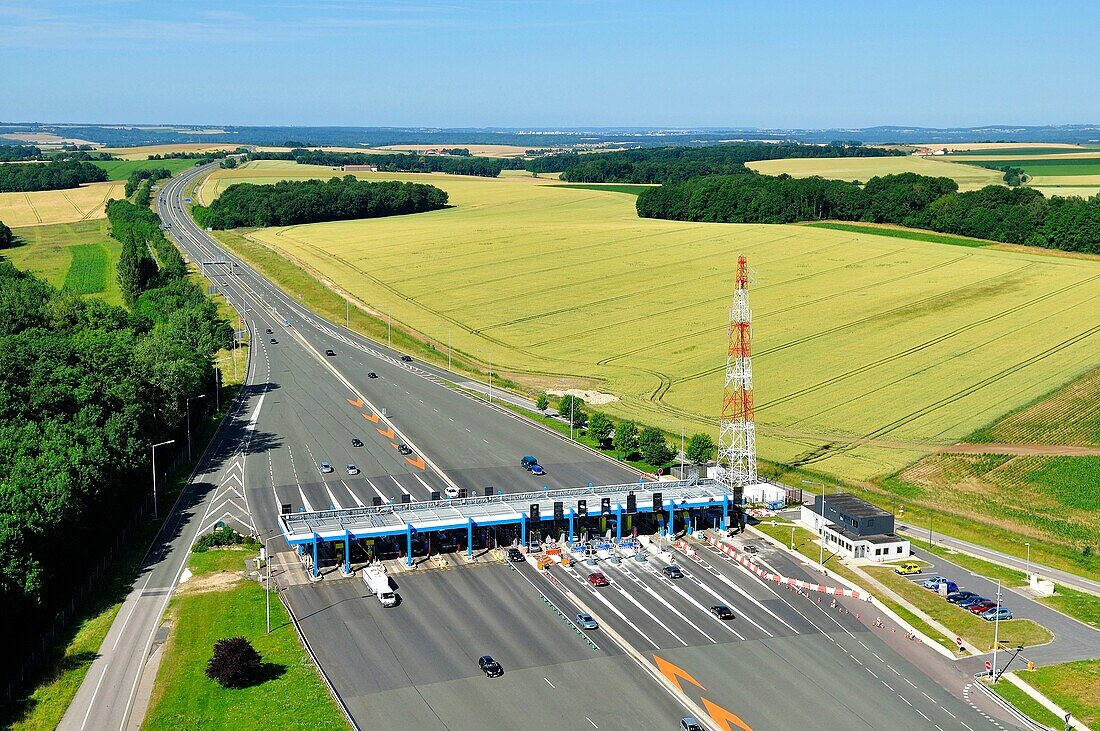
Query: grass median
x=973, y=629
x=1075, y=686
x=1025, y=704
x=219, y=604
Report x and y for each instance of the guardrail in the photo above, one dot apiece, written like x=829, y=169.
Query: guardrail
x=1013, y=710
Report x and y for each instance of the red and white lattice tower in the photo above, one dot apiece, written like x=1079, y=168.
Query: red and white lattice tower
x=737, y=432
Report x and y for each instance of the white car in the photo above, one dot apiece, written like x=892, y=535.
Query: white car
x=353, y=470
x=326, y=467
x=450, y=491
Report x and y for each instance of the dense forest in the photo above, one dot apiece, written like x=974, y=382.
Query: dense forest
x=16, y=153
x=291, y=202
x=85, y=388
x=23, y=178
x=138, y=176
x=672, y=164
x=1012, y=215
x=486, y=167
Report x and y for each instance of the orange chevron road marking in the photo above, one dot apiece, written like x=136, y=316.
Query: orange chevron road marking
x=358, y=403
x=388, y=433
x=418, y=463
x=674, y=673
x=371, y=418
x=724, y=718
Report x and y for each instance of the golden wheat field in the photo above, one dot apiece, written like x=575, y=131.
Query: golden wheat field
x=58, y=206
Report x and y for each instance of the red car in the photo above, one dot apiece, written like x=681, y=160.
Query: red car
x=597, y=578
x=983, y=607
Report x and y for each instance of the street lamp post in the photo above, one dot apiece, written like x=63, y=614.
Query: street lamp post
x=1027, y=570
x=267, y=587
x=821, y=525
x=217, y=388
x=996, y=630
x=154, y=450
x=189, y=400
x=929, y=530
x=491, y=378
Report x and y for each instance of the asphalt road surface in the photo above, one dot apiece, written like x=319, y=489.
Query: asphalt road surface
x=777, y=665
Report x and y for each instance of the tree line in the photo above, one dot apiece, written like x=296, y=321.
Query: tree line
x=28, y=177
x=17, y=153
x=486, y=167
x=671, y=164
x=292, y=202
x=87, y=388
x=138, y=176
x=208, y=156
x=6, y=236
x=1012, y=215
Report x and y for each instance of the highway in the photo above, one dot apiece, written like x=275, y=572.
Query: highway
x=783, y=662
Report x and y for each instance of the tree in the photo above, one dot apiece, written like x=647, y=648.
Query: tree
x=571, y=408
x=542, y=402
x=654, y=448
x=234, y=664
x=700, y=448
x=625, y=441
x=6, y=237
x=600, y=427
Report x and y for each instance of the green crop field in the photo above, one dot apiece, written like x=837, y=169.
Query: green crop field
x=1054, y=166
x=969, y=177
x=913, y=234
x=88, y=272
x=870, y=351
x=1024, y=151
x=1070, y=415
x=121, y=169
x=63, y=250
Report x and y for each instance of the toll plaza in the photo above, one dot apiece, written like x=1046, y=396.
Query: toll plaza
x=571, y=509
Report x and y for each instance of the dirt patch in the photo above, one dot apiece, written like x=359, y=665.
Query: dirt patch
x=1041, y=450
x=215, y=581
x=590, y=397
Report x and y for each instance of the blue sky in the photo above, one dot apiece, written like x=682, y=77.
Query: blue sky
x=560, y=63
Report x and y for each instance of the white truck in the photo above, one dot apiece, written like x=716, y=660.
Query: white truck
x=378, y=583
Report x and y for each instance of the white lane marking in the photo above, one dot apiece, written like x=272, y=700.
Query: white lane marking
x=335, y=502
x=887, y=685
x=400, y=487
x=602, y=599
x=928, y=696
x=91, y=703
x=133, y=606
x=305, y=502
x=878, y=658
x=872, y=672
x=426, y=485
x=256, y=413
x=964, y=724
x=729, y=582
x=926, y=718
x=668, y=606
x=892, y=668
x=907, y=680
x=353, y=495
x=377, y=491
x=910, y=704
x=865, y=647
x=626, y=595
x=550, y=684
x=949, y=713
x=720, y=598
x=586, y=718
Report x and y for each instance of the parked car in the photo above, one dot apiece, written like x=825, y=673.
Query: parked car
x=721, y=611
x=959, y=596
x=404, y=448
x=326, y=467
x=515, y=555
x=330, y=352
x=490, y=667
x=967, y=603
x=596, y=578
x=406, y=358
x=952, y=587
x=933, y=582
x=357, y=442
x=982, y=607
x=672, y=571
x=996, y=613
x=372, y=374
x=270, y=331
x=585, y=621
x=527, y=461
x=352, y=469
x=906, y=569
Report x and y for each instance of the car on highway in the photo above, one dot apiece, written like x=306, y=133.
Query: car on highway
x=721, y=611
x=585, y=621
x=330, y=352
x=959, y=596
x=967, y=603
x=352, y=469
x=515, y=555
x=672, y=571
x=372, y=374
x=596, y=578
x=687, y=723
x=270, y=331
x=406, y=359
x=357, y=442
x=404, y=448
x=274, y=341
x=527, y=460
x=450, y=491
x=996, y=613
x=490, y=667
x=933, y=582
x=326, y=467
x=536, y=469
x=982, y=608
x=906, y=569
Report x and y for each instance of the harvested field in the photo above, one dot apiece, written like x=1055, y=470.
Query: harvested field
x=143, y=152
x=58, y=206
x=969, y=177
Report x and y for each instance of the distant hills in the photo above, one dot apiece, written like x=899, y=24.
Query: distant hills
x=121, y=135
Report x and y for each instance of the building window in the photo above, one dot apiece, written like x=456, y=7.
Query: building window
x=900, y=549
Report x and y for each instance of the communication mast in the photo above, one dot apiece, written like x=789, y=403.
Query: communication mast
x=737, y=432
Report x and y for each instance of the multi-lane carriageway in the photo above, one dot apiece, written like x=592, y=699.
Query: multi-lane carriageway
x=784, y=662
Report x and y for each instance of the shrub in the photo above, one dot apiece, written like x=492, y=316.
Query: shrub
x=223, y=536
x=234, y=664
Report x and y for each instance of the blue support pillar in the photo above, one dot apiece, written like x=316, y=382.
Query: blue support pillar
x=725, y=512
x=618, y=522
x=469, y=536
x=315, y=567
x=409, y=545
x=523, y=528
x=347, y=551
x=671, y=517
x=570, y=526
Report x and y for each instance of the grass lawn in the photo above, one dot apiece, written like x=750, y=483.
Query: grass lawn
x=975, y=630
x=1075, y=686
x=902, y=233
x=220, y=559
x=293, y=696
x=121, y=169
x=1025, y=703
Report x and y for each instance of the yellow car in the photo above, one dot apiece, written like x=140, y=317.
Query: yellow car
x=907, y=568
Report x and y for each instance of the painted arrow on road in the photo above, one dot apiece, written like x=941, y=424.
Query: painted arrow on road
x=387, y=433
x=358, y=403
x=371, y=418
x=418, y=463
x=724, y=718
x=720, y=715
x=674, y=673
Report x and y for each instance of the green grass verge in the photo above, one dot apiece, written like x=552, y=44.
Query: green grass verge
x=121, y=169
x=292, y=696
x=975, y=630
x=220, y=559
x=904, y=233
x=631, y=188
x=1024, y=703
x=88, y=271
x=1075, y=686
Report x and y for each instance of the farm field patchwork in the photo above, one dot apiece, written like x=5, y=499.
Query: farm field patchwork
x=969, y=177
x=142, y=152
x=53, y=252
x=1070, y=415
x=58, y=206
x=869, y=350
x=88, y=272
x=121, y=169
